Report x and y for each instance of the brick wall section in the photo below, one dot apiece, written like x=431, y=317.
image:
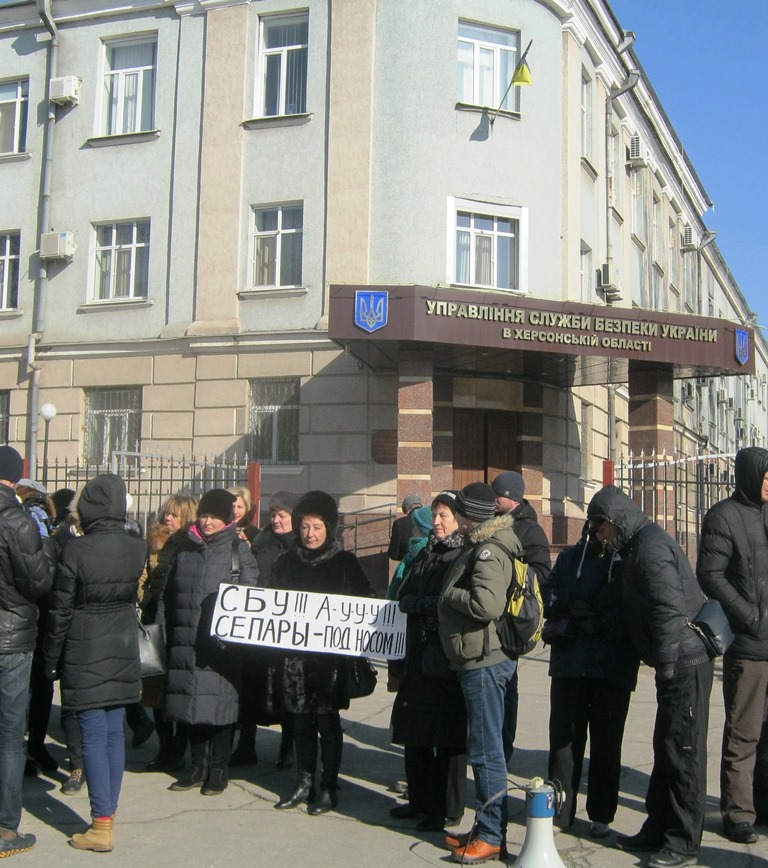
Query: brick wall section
x=414, y=426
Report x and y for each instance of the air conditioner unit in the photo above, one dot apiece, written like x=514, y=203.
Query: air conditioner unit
x=607, y=281
x=689, y=242
x=57, y=245
x=721, y=396
x=731, y=404
x=637, y=155
x=741, y=433
x=65, y=90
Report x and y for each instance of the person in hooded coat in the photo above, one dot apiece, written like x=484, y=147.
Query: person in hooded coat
x=203, y=672
x=733, y=568
x=92, y=643
x=309, y=685
x=660, y=598
x=593, y=668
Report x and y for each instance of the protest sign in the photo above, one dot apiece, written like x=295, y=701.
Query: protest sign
x=302, y=621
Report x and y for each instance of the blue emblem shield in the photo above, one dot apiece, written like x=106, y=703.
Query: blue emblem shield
x=742, y=346
x=371, y=309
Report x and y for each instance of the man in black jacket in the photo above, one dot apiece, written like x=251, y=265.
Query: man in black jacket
x=25, y=575
x=660, y=597
x=733, y=568
x=509, y=488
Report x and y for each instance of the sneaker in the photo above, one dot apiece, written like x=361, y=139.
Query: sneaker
x=599, y=830
x=740, y=833
x=17, y=844
x=476, y=852
x=640, y=843
x=74, y=783
x=667, y=858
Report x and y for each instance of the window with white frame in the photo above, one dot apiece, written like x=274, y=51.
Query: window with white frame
x=283, y=64
x=10, y=247
x=5, y=416
x=274, y=420
x=657, y=230
x=14, y=106
x=277, y=245
x=587, y=117
x=638, y=284
x=129, y=86
x=674, y=254
x=639, y=207
x=658, y=296
x=587, y=276
x=488, y=245
x=112, y=422
x=487, y=57
x=122, y=260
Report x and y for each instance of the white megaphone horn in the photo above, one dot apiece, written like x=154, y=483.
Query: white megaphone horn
x=539, y=849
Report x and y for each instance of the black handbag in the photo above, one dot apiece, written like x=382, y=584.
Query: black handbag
x=151, y=649
x=711, y=623
x=361, y=678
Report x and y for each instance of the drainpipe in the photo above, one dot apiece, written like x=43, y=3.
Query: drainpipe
x=632, y=79
x=41, y=284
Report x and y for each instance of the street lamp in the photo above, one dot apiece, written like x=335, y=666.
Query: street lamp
x=48, y=412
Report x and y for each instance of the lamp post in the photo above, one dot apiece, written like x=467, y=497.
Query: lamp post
x=48, y=413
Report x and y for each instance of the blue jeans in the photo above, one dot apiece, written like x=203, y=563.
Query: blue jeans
x=484, y=690
x=14, y=701
x=103, y=757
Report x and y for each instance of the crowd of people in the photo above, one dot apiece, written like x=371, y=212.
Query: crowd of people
x=76, y=573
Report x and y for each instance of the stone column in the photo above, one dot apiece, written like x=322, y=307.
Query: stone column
x=414, y=426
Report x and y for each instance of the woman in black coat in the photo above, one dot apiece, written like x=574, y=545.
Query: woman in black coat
x=429, y=716
x=311, y=686
x=92, y=641
x=203, y=673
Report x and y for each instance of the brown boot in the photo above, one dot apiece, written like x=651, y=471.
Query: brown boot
x=98, y=836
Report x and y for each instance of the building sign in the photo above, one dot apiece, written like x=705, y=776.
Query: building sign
x=429, y=315
x=298, y=621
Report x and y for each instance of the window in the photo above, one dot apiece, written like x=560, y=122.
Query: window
x=283, y=61
x=587, y=117
x=277, y=245
x=638, y=268
x=639, y=209
x=674, y=254
x=658, y=296
x=129, y=87
x=14, y=102
x=489, y=244
x=10, y=244
x=486, y=60
x=657, y=229
x=122, y=260
x=587, y=277
x=112, y=422
x=5, y=416
x=275, y=421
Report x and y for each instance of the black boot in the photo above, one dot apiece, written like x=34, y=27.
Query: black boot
x=245, y=752
x=221, y=745
x=326, y=802
x=199, y=747
x=304, y=792
x=285, y=757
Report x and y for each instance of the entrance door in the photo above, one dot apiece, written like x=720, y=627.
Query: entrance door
x=484, y=445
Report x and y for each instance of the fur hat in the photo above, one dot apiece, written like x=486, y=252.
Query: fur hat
x=448, y=497
x=286, y=500
x=217, y=502
x=476, y=501
x=510, y=485
x=11, y=464
x=410, y=502
x=62, y=500
x=317, y=503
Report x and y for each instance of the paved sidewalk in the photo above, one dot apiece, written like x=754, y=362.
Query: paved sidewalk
x=158, y=827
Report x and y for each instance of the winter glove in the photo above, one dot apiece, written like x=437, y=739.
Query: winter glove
x=665, y=674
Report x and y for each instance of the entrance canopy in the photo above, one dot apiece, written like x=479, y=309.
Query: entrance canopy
x=509, y=336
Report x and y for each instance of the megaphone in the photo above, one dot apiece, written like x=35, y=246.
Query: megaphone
x=539, y=849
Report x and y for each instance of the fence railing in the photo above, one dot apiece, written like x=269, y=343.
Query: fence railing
x=676, y=491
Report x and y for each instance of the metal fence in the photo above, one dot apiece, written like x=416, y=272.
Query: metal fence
x=676, y=491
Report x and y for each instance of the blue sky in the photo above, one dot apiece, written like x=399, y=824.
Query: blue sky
x=706, y=62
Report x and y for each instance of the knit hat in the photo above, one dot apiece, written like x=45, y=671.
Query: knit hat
x=476, y=501
x=411, y=501
x=217, y=502
x=11, y=464
x=317, y=503
x=286, y=500
x=510, y=485
x=448, y=497
x=422, y=518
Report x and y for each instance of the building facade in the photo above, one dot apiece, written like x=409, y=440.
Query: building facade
x=326, y=236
